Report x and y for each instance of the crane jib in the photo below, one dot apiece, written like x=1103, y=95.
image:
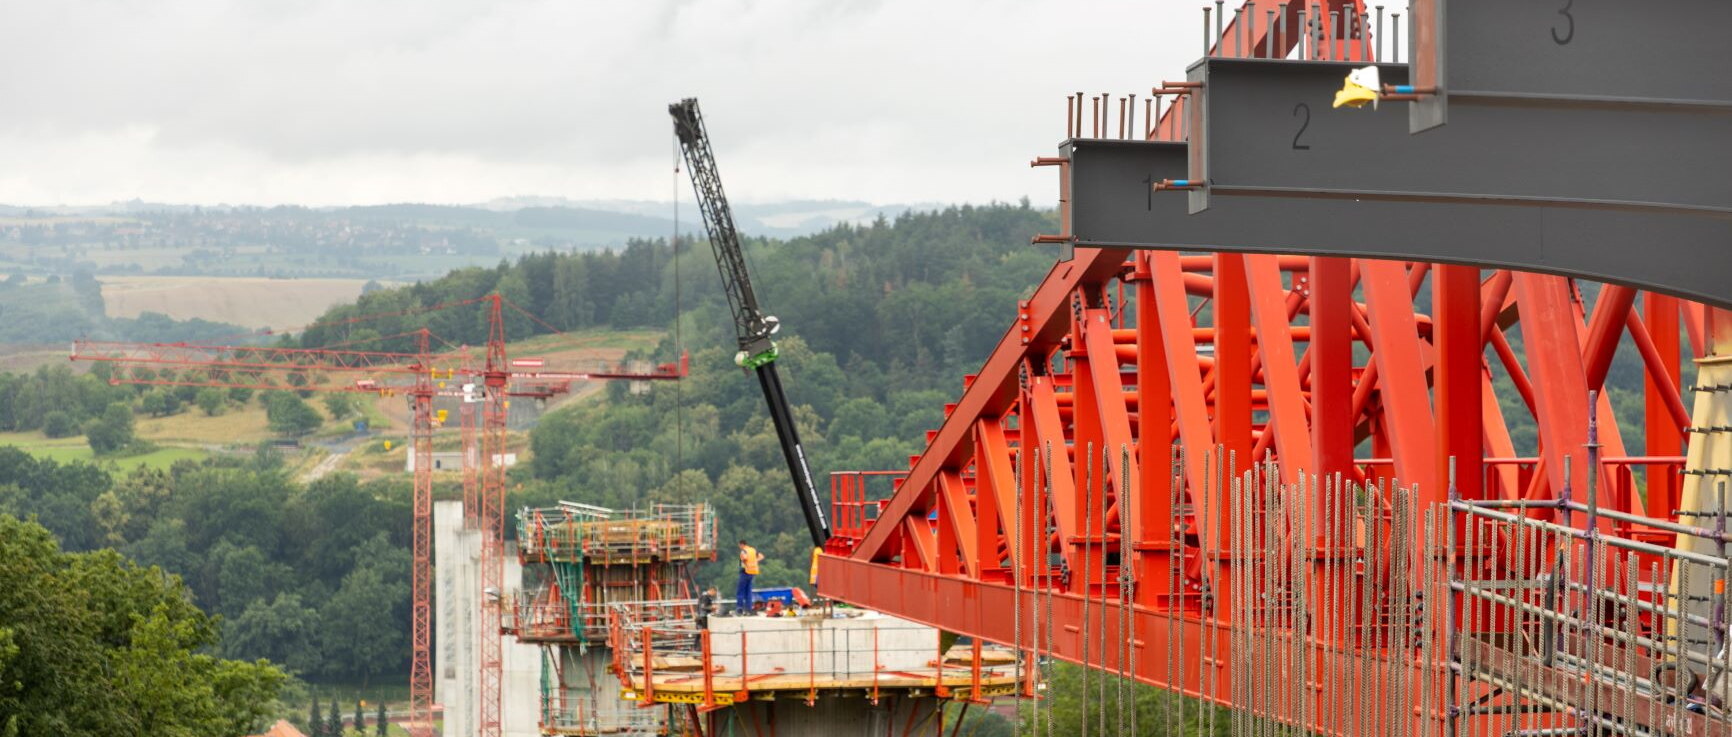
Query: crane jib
x=751, y=325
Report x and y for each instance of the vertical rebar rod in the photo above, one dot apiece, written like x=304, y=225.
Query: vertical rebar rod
x=1047, y=510
x=1334, y=574
x=1632, y=629
x=1239, y=30
x=1175, y=558
x=1079, y=116
x=1319, y=44
x=1087, y=489
x=1106, y=115
x=1126, y=636
x=1280, y=51
x=1207, y=41
x=1133, y=126
x=1212, y=599
x=1268, y=34
x=1377, y=37
x=1395, y=38
x=1402, y=648
x=1500, y=620
x=1100, y=481
x=1308, y=642
x=1280, y=651
x=1016, y=583
x=1220, y=18
x=1683, y=674
x=1470, y=658
x=1329, y=35
x=1519, y=546
x=1240, y=599
x=1428, y=626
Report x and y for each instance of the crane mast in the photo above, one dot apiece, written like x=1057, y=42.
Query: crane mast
x=757, y=349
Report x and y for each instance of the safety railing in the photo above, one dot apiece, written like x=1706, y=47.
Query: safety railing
x=544, y=616
x=796, y=654
x=856, y=498
x=541, y=615
x=1588, y=628
x=579, y=720
x=573, y=532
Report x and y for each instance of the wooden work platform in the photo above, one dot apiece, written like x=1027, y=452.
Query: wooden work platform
x=681, y=680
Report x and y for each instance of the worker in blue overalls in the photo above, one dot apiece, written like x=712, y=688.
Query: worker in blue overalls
x=749, y=559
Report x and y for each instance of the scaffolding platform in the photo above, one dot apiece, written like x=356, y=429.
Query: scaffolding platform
x=583, y=564
x=604, y=537
x=825, y=652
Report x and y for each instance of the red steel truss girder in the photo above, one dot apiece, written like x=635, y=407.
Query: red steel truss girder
x=1076, y=369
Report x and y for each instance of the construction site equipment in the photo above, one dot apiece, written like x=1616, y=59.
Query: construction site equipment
x=585, y=564
x=421, y=376
x=819, y=654
x=1300, y=486
x=754, y=328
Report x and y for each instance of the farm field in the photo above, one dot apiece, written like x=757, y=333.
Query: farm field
x=65, y=450
x=254, y=302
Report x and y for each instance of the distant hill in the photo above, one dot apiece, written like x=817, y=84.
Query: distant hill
x=589, y=222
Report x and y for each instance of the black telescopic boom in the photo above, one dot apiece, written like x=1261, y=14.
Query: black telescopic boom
x=751, y=325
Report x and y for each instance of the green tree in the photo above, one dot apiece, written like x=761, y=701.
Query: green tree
x=160, y=403
x=358, y=641
x=288, y=414
x=59, y=424
x=334, y=722
x=315, y=719
x=283, y=630
x=112, y=431
x=339, y=406
x=95, y=645
x=360, y=723
x=380, y=724
x=154, y=403
x=859, y=418
x=211, y=400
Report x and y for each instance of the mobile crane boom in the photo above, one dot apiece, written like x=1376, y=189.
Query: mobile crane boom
x=757, y=349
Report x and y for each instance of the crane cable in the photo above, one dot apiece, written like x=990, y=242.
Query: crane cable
x=679, y=346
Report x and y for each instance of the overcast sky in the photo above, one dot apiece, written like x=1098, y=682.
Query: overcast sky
x=332, y=102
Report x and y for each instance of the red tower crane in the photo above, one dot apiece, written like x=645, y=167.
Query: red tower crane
x=415, y=375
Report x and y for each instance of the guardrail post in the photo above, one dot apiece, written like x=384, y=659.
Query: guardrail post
x=975, y=678
x=811, y=668
x=877, y=666
x=938, y=688
x=745, y=681
x=649, y=676
x=709, y=672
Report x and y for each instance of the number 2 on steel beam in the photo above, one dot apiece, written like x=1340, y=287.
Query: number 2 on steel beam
x=1303, y=124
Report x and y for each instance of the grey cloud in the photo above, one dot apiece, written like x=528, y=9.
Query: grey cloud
x=337, y=102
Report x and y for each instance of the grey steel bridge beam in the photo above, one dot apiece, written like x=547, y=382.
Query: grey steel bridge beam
x=1113, y=204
